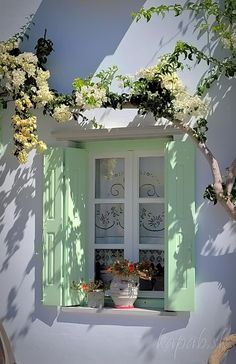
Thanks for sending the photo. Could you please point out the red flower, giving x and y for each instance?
(84, 286)
(131, 267)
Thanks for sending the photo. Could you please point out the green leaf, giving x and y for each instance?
(78, 83)
(210, 194)
(4, 104)
(190, 56)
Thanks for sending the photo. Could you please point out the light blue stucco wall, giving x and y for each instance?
(90, 35)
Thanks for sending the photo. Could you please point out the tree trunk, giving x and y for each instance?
(222, 348)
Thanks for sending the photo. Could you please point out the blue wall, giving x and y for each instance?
(90, 35)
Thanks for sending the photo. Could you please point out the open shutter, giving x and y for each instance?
(53, 226)
(64, 216)
(75, 217)
(180, 231)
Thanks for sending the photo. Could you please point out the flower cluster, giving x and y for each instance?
(86, 287)
(62, 113)
(89, 95)
(146, 270)
(22, 77)
(125, 268)
(184, 104)
(229, 39)
(25, 137)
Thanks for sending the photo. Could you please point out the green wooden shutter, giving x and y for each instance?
(53, 226)
(65, 206)
(180, 231)
(75, 217)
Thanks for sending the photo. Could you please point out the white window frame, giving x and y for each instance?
(131, 201)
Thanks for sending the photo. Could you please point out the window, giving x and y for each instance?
(109, 199)
(127, 213)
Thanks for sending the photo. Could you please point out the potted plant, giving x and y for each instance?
(125, 283)
(93, 290)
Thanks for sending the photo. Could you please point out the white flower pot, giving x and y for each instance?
(124, 291)
(95, 299)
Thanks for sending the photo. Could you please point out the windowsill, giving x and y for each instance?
(116, 311)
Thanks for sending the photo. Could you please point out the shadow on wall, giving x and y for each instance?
(22, 194)
(218, 263)
(83, 35)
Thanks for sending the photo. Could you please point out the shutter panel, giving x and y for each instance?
(75, 216)
(65, 206)
(180, 231)
(53, 226)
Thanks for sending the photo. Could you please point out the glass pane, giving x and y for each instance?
(103, 259)
(151, 177)
(109, 178)
(151, 223)
(109, 223)
(156, 257)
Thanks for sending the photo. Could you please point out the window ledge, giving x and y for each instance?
(78, 134)
(116, 311)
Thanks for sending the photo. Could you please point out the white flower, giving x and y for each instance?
(147, 73)
(43, 95)
(22, 156)
(187, 105)
(27, 57)
(29, 68)
(184, 103)
(18, 78)
(42, 77)
(62, 113)
(8, 46)
(90, 96)
(229, 41)
(41, 146)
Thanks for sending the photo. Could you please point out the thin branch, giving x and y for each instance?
(214, 165)
(215, 169)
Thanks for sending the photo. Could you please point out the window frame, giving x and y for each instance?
(131, 203)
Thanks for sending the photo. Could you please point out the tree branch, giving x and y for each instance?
(222, 348)
(215, 169)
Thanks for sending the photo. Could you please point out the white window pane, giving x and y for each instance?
(151, 177)
(151, 223)
(109, 178)
(109, 223)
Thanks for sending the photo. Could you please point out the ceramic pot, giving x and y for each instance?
(124, 291)
(95, 299)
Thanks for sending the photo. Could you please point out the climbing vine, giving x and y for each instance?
(157, 89)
